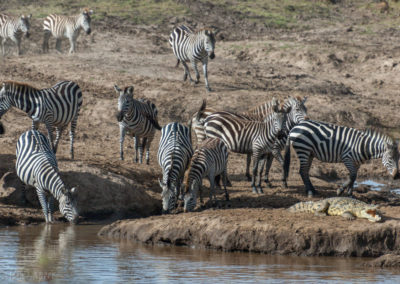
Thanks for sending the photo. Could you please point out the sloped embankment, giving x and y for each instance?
(272, 231)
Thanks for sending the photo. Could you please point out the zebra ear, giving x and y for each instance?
(29, 16)
(117, 89)
(129, 90)
(90, 12)
(304, 100)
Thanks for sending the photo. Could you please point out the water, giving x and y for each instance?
(377, 186)
(74, 254)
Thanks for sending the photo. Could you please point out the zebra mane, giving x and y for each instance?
(378, 134)
(20, 85)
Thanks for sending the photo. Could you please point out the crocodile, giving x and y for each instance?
(346, 207)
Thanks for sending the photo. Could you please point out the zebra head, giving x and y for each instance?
(390, 158)
(24, 24)
(5, 99)
(296, 109)
(85, 20)
(209, 42)
(68, 206)
(125, 101)
(168, 196)
(278, 122)
(190, 196)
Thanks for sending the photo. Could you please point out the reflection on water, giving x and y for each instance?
(74, 254)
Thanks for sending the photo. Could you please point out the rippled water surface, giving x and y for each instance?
(74, 254)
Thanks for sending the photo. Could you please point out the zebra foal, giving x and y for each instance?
(193, 46)
(339, 144)
(209, 160)
(174, 154)
(13, 28)
(137, 117)
(64, 26)
(37, 166)
(56, 106)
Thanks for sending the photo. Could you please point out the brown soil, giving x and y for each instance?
(350, 77)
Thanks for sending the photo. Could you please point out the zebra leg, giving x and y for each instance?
(72, 136)
(50, 207)
(46, 37)
(148, 144)
(72, 45)
(50, 135)
(224, 181)
(268, 163)
(122, 132)
(248, 161)
(305, 164)
(206, 76)
(194, 64)
(256, 160)
(35, 125)
(58, 45)
(42, 199)
(213, 197)
(141, 149)
(187, 73)
(136, 139)
(18, 42)
(23, 194)
(3, 49)
(59, 131)
(276, 153)
(353, 169)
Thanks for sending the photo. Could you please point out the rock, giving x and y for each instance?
(387, 260)
(100, 193)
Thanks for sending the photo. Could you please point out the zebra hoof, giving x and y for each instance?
(209, 89)
(228, 183)
(255, 189)
(121, 158)
(260, 190)
(339, 191)
(248, 177)
(310, 193)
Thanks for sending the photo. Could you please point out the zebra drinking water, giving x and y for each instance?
(244, 136)
(56, 106)
(339, 144)
(138, 117)
(209, 160)
(193, 46)
(174, 154)
(13, 28)
(64, 26)
(37, 166)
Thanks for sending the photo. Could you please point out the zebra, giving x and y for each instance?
(297, 112)
(193, 46)
(56, 106)
(339, 144)
(209, 160)
(174, 154)
(138, 117)
(13, 28)
(245, 136)
(64, 26)
(36, 166)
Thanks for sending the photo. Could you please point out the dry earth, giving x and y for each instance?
(348, 69)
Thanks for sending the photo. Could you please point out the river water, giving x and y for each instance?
(65, 253)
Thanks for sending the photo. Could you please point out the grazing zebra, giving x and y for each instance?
(338, 144)
(174, 154)
(56, 106)
(37, 166)
(138, 117)
(209, 160)
(63, 26)
(193, 46)
(244, 136)
(13, 28)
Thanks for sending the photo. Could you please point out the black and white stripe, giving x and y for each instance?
(209, 160)
(338, 144)
(37, 166)
(174, 154)
(64, 26)
(244, 136)
(13, 28)
(56, 106)
(193, 46)
(136, 117)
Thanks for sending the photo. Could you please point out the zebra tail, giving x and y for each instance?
(177, 63)
(286, 162)
(201, 110)
(190, 130)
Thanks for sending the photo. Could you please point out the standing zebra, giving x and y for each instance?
(193, 46)
(63, 26)
(174, 154)
(209, 160)
(139, 117)
(13, 28)
(244, 136)
(37, 166)
(338, 144)
(56, 106)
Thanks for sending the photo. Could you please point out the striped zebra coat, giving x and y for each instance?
(244, 136)
(193, 46)
(209, 160)
(56, 106)
(138, 118)
(13, 28)
(64, 26)
(37, 166)
(174, 154)
(339, 144)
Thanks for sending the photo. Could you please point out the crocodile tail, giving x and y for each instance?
(306, 206)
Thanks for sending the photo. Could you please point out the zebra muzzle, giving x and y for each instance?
(119, 116)
(89, 31)
(27, 34)
(212, 55)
